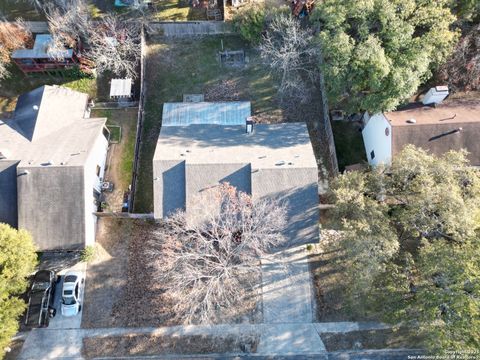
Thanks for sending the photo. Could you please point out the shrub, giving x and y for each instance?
(88, 254)
(250, 23)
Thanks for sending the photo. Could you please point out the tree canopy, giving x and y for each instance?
(208, 258)
(411, 233)
(17, 260)
(377, 52)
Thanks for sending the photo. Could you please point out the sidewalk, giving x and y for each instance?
(287, 293)
(275, 339)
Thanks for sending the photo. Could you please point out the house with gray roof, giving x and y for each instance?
(52, 161)
(274, 160)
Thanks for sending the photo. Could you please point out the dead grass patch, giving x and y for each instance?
(371, 339)
(148, 344)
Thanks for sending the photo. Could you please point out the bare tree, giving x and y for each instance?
(290, 52)
(462, 70)
(68, 22)
(13, 36)
(115, 46)
(207, 264)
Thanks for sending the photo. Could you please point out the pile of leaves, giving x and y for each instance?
(224, 90)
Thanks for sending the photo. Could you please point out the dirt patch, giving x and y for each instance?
(107, 273)
(144, 301)
(119, 162)
(147, 344)
(14, 349)
(327, 264)
(371, 339)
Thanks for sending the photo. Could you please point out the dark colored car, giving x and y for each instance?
(41, 297)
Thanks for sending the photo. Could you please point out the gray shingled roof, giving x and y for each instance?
(276, 160)
(49, 146)
(8, 192)
(270, 146)
(219, 113)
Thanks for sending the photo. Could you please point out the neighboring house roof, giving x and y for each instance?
(42, 50)
(49, 126)
(8, 192)
(220, 113)
(452, 125)
(46, 147)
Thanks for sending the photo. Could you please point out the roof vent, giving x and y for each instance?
(48, 163)
(4, 154)
(249, 125)
(412, 121)
(435, 95)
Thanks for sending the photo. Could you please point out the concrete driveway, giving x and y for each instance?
(60, 321)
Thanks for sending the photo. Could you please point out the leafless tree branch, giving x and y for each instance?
(206, 265)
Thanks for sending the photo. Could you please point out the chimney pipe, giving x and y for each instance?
(249, 125)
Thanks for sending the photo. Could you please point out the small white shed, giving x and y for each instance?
(121, 89)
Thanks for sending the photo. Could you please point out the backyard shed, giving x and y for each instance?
(121, 88)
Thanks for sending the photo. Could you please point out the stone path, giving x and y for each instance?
(287, 293)
(275, 339)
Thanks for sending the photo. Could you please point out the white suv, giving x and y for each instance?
(71, 293)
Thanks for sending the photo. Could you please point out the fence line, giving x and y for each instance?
(332, 153)
(189, 28)
(115, 105)
(140, 118)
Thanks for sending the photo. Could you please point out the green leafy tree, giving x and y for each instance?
(17, 260)
(250, 23)
(411, 233)
(376, 53)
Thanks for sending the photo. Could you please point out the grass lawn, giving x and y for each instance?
(18, 83)
(121, 161)
(349, 143)
(163, 10)
(13, 9)
(190, 66)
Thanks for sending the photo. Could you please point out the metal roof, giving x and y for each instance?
(42, 50)
(121, 88)
(206, 113)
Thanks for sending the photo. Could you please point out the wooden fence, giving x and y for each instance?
(189, 28)
(140, 118)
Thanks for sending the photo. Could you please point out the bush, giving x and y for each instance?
(17, 261)
(89, 253)
(250, 23)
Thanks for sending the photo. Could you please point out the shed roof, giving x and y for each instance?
(121, 88)
(219, 113)
(42, 49)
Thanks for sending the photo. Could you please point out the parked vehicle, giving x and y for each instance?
(71, 293)
(41, 297)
